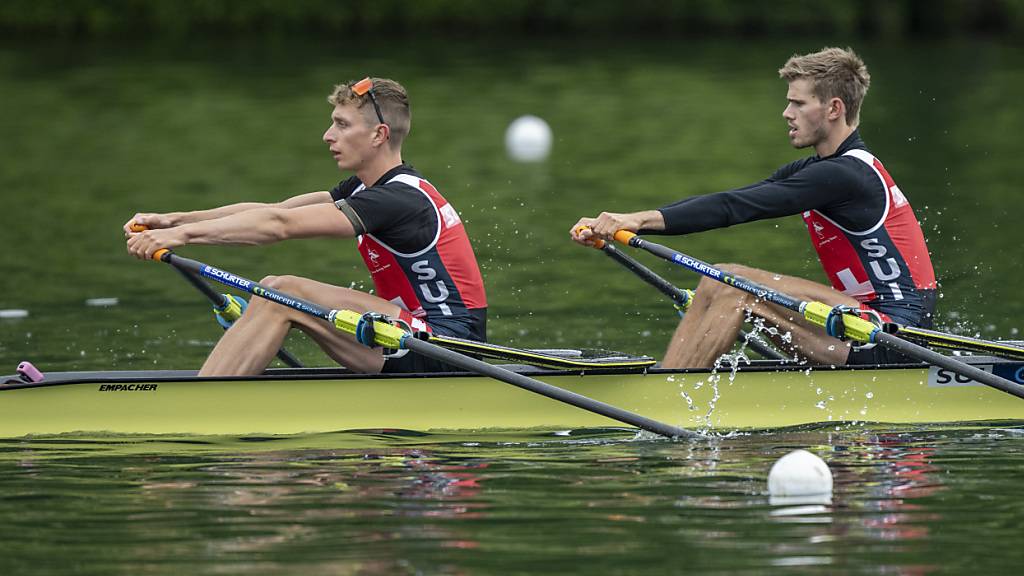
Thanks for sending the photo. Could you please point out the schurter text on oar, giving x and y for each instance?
(697, 265)
(127, 387)
(215, 273)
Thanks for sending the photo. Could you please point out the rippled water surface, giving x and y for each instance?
(915, 501)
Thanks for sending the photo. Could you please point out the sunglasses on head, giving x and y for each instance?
(365, 86)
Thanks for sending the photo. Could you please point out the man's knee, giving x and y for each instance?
(290, 285)
(283, 283)
(735, 269)
(708, 284)
(765, 277)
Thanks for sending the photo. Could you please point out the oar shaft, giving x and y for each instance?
(818, 313)
(343, 318)
(216, 298)
(955, 342)
(710, 271)
(538, 387)
(219, 300)
(245, 285)
(679, 296)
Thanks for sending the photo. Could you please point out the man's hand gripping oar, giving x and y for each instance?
(837, 321)
(681, 298)
(226, 307)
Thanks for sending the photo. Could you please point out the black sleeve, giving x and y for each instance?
(789, 169)
(396, 214)
(793, 189)
(344, 188)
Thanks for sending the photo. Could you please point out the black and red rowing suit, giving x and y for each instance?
(417, 251)
(862, 226)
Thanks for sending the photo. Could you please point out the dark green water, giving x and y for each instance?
(92, 133)
(905, 502)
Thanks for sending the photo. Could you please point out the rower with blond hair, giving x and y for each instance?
(410, 237)
(866, 235)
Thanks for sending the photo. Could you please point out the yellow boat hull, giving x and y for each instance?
(294, 402)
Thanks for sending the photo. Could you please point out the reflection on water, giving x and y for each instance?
(884, 484)
(411, 503)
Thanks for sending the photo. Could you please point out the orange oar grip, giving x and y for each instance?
(159, 254)
(624, 236)
(598, 243)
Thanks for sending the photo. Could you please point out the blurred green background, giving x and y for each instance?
(885, 18)
(110, 108)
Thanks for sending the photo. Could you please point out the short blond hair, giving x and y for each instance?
(392, 99)
(834, 73)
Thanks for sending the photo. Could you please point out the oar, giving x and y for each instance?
(223, 305)
(231, 310)
(836, 320)
(682, 298)
(390, 336)
(937, 339)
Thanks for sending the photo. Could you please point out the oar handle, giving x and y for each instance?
(159, 254)
(598, 243)
(622, 236)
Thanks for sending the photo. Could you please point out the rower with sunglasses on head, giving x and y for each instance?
(867, 238)
(412, 241)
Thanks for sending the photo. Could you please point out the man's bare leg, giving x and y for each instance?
(709, 328)
(718, 311)
(250, 344)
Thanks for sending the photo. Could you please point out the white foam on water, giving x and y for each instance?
(101, 302)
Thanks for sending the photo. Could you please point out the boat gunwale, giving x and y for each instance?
(11, 382)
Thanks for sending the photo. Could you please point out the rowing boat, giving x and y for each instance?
(761, 395)
(596, 390)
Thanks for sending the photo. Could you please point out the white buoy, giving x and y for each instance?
(528, 139)
(13, 313)
(800, 473)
